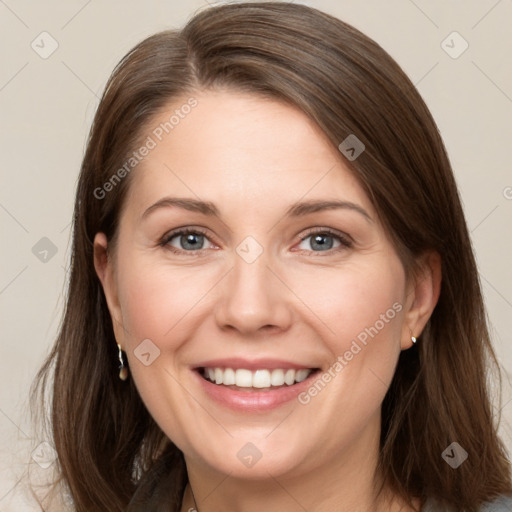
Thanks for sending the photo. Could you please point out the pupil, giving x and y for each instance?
(320, 240)
(191, 241)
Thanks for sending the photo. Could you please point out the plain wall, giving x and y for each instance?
(47, 104)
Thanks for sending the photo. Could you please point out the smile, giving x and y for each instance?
(256, 390)
(258, 379)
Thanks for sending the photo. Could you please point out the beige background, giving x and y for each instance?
(47, 105)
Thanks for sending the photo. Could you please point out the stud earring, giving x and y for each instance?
(123, 370)
(413, 339)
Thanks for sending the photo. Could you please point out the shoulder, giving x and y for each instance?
(502, 503)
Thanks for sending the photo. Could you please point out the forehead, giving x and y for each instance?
(240, 148)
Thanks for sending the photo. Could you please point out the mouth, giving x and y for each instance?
(262, 379)
(253, 385)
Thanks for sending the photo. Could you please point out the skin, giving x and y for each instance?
(253, 158)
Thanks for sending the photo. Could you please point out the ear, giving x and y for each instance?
(105, 271)
(422, 296)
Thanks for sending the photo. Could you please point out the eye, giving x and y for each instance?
(193, 240)
(325, 240)
(185, 240)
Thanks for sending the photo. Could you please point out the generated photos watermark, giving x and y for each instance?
(357, 345)
(151, 142)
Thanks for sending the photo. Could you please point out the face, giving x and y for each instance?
(249, 254)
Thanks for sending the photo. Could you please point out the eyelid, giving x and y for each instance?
(164, 241)
(330, 231)
(346, 240)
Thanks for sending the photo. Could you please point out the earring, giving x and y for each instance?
(413, 339)
(123, 370)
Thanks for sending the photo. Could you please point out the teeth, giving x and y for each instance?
(243, 378)
(289, 377)
(229, 377)
(301, 375)
(261, 379)
(258, 379)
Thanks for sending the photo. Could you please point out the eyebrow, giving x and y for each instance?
(299, 209)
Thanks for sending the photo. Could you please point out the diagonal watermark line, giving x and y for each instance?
(286, 491)
(492, 81)
(126, 332)
(12, 488)
(499, 410)
(2, 2)
(14, 423)
(12, 280)
(75, 15)
(199, 403)
(424, 13)
(176, 176)
(80, 79)
(486, 14)
(14, 218)
(378, 378)
(503, 406)
(65, 227)
(300, 300)
(484, 219)
(305, 194)
(427, 73)
(281, 422)
(495, 289)
(198, 301)
(216, 487)
(14, 76)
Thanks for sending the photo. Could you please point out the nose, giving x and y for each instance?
(254, 298)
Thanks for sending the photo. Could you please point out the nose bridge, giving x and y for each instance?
(252, 296)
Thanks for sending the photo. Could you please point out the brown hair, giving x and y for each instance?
(345, 82)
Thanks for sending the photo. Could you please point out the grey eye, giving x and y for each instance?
(188, 241)
(320, 242)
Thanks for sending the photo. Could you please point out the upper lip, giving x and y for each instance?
(254, 364)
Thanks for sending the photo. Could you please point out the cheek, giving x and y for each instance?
(362, 312)
(361, 302)
(156, 298)
(160, 306)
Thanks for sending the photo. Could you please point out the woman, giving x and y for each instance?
(273, 302)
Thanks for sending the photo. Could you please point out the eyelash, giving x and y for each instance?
(184, 231)
(345, 241)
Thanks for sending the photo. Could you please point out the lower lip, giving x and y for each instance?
(253, 401)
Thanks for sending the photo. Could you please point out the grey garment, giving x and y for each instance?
(500, 504)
